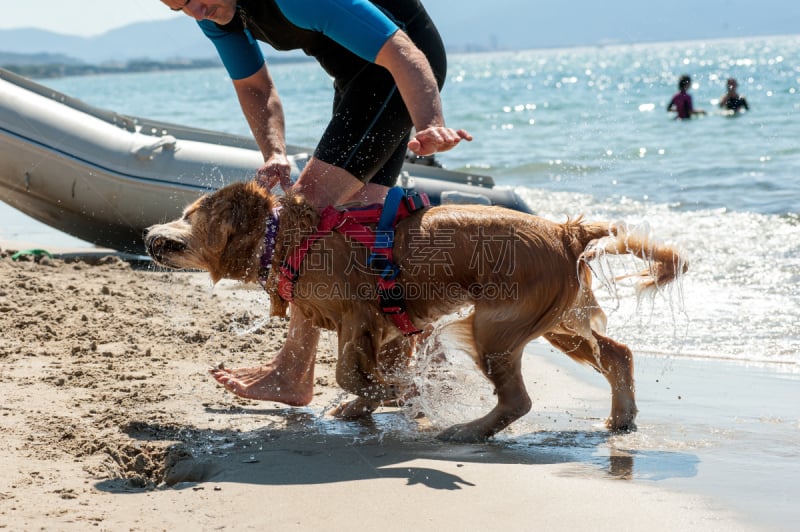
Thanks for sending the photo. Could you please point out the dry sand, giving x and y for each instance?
(108, 421)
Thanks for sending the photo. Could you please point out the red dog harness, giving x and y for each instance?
(397, 206)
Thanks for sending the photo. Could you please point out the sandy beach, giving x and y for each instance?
(109, 421)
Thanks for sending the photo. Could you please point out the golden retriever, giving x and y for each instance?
(523, 277)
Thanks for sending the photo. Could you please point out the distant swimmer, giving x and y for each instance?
(732, 100)
(681, 103)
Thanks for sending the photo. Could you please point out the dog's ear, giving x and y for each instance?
(250, 205)
(220, 224)
(234, 210)
(237, 214)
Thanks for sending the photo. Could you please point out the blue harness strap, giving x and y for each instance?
(380, 258)
(390, 294)
(384, 232)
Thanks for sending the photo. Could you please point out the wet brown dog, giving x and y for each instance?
(523, 276)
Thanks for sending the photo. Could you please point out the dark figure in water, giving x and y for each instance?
(732, 100)
(681, 102)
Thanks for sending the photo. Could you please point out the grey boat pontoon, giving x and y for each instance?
(104, 177)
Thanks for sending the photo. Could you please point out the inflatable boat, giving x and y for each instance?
(104, 177)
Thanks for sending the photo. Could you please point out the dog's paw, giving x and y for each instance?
(620, 426)
(355, 409)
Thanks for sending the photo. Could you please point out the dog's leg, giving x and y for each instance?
(353, 375)
(363, 373)
(513, 401)
(620, 377)
(615, 362)
(503, 368)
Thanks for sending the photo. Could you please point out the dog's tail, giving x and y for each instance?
(665, 263)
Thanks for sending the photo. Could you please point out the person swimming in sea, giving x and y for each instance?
(732, 100)
(681, 102)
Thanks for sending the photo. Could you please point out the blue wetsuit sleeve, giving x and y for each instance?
(358, 25)
(240, 55)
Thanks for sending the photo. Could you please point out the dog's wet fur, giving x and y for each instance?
(524, 277)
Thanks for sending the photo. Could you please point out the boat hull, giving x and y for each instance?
(104, 177)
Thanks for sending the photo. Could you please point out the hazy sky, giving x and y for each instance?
(94, 17)
(512, 22)
(80, 17)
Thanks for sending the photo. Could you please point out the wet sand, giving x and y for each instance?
(108, 420)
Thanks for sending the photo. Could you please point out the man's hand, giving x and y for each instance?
(276, 170)
(437, 139)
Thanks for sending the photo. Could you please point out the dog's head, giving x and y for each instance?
(221, 233)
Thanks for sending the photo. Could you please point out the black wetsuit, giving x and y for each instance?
(369, 130)
(734, 103)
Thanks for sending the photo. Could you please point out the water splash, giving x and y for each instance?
(449, 386)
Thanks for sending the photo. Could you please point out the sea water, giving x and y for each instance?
(585, 131)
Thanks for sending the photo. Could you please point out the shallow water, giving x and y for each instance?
(585, 131)
(717, 428)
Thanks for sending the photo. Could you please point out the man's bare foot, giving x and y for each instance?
(267, 383)
(288, 378)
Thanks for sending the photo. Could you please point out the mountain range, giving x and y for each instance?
(473, 26)
(158, 40)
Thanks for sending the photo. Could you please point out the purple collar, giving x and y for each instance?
(270, 237)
